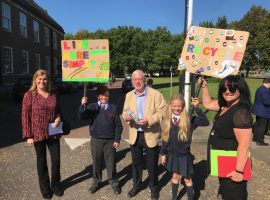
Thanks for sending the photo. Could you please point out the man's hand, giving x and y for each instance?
(143, 122)
(116, 145)
(126, 117)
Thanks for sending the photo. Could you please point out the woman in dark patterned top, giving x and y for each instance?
(232, 130)
(176, 141)
(39, 109)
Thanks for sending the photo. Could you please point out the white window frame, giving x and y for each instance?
(37, 61)
(26, 63)
(23, 25)
(10, 60)
(46, 37)
(48, 64)
(6, 15)
(36, 31)
(54, 40)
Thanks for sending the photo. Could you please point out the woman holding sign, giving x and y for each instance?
(232, 131)
(40, 109)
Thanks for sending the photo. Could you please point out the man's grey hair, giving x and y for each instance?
(138, 71)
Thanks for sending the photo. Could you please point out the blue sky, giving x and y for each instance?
(146, 14)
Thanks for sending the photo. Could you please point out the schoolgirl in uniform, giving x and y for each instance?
(176, 140)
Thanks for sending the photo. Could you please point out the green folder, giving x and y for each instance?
(214, 159)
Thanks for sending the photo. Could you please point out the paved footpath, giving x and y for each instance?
(19, 178)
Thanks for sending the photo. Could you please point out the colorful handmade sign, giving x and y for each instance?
(213, 52)
(223, 162)
(85, 60)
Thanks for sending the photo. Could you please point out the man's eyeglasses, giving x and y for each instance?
(231, 89)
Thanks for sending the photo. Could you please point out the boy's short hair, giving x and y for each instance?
(266, 80)
(101, 89)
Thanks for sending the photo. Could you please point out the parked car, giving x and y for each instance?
(127, 84)
(20, 87)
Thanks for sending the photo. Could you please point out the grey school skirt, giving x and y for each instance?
(182, 165)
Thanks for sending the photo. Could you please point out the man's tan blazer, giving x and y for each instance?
(154, 107)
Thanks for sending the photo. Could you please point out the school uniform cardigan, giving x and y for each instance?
(178, 147)
(105, 124)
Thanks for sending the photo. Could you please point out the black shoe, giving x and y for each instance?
(262, 144)
(94, 188)
(254, 139)
(116, 190)
(47, 195)
(133, 192)
(57, 191)
(154, 195)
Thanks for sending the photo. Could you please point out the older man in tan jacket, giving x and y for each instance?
(143, 111)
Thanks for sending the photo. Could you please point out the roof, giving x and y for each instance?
(33, 7)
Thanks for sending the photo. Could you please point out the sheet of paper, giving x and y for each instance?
(55, 130)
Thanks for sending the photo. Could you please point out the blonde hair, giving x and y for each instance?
(40, 72)
(184, 122)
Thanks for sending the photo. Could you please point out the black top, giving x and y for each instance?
(222, 135)
(105, 124)
(177, 147)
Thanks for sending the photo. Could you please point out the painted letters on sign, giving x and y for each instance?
(85, 60)
(213, 52)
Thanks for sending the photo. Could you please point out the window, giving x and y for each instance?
(7, 60)
(54, 40)
(46, 37)
(55, 69)
(24, 62)
(36, 31)
(6, 19)
(37, 61)
(47, 64)
(23, 25)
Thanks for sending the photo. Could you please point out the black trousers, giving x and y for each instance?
(102, 150)
(230, 190)
(42, 167)
(137, 162)
(260, 128)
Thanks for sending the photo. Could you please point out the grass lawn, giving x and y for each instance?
(163, 85)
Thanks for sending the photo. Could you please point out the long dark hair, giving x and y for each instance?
(236, 82)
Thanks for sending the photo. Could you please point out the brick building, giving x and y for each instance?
(29, 40)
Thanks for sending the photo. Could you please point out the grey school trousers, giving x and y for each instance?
(102, 150)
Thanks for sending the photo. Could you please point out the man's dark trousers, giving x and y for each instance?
(151, 163)
(260, 128)
(102, 150)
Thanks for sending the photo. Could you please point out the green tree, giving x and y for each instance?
(68, 36)
(222, 23)
(82, 35)
(257, 22)
(207, 24)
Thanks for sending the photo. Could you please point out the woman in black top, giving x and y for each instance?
(232, 130)
(176, 140)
